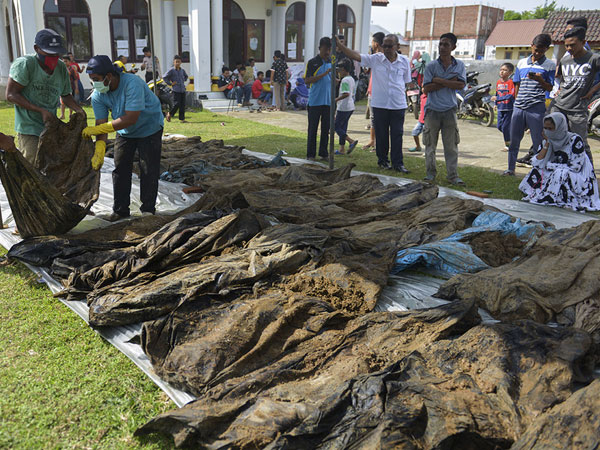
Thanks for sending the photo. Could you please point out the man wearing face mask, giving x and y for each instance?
(138, 121)
(35, 84)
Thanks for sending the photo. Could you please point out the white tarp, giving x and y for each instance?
(409, 290)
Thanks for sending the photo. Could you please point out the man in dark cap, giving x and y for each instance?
(35, 84)
(138, 121)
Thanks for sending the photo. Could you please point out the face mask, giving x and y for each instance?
(551, 134)
(100, 87)
(50, 61)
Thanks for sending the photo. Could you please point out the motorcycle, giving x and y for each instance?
(594, 117)
(362, 85)
(472, 78)
(413, 97)
(476, 102)
(164, 94)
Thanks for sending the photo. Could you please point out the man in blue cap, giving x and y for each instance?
(138, 121)
(35, 84)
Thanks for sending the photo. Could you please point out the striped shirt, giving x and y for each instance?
(530, 91)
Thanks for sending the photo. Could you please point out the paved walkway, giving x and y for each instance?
(480, 146)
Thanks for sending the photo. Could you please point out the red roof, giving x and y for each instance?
(557, 23)
(515, 33)
(379, 2)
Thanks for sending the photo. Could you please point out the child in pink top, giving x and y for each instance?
(418, 129)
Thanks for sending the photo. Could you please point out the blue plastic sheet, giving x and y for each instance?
(449, 257)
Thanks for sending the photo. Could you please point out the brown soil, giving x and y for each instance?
(496, 249)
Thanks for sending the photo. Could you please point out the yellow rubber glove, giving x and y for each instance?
(98, 158)
(104, 128)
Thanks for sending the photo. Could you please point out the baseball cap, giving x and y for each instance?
(50, 42)
(101, 65)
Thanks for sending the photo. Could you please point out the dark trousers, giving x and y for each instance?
(389, 123)
(341, 124)
(149, 149)
(179, 104)
(149, 76)
(504, 119)
(532, 118)
(316, 114)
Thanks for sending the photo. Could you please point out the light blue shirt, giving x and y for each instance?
(319, 93)
(132, 94)
(443, 99)
(530, 91)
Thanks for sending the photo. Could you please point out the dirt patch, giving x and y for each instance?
(495, 248)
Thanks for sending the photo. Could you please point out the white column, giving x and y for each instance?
(28, 26)
(324, 11)
(199, 20)
(169, 33)
(216, 29)
(278, 26)
(310, 47)
(365, 27)
(452, 19)
(4, 52)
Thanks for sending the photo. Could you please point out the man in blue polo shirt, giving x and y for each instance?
(138, 121)
(443, 77)
(534, 76)
(317, 77)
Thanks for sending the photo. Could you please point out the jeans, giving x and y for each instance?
(316, 113)
(149, 149)
(179, 104)
(446, 122)
(341, 124)
(532, 118)
(504, 119)
(81, 91)
(389, 123)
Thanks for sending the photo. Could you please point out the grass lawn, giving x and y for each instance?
(61, 384)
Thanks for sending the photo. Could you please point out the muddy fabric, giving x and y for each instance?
(188, 159)
(64, 157)
(297, 373)
(495, 248)
(57, 197)
(37, 206)
(573, 424)
(559, 270)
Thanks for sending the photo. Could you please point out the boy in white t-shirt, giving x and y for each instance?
(345, 106)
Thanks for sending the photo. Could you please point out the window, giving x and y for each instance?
(294, 31)
(71, 19)
(129, 29)
(523, 55)
(346, 24)
(255, 40)
(183, 31)
(507, 55)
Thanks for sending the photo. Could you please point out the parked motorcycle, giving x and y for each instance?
(362, 85)
(472, 79)
(594, 117)
(476, 102)
(164, 94)
(413, 99)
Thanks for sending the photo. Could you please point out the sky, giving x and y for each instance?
(392, 17)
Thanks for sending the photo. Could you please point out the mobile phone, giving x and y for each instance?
(531, 74)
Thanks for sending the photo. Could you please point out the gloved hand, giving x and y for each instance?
(98, 158)
(104, 128)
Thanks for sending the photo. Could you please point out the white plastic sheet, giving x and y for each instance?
(410, 290)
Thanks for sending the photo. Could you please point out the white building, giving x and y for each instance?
(206, 33)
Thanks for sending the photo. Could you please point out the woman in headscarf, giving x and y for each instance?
(562, 173)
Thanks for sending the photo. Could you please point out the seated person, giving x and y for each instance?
(246, 84)
(562, 173)
(230, 86)
(258, 92)
(121, 61)
(299, 95)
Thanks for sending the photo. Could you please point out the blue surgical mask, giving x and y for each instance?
(100, 87)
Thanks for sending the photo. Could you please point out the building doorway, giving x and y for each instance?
(233, 34)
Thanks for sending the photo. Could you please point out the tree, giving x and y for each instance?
(540, 12)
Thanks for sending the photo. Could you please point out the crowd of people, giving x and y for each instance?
(538, 96)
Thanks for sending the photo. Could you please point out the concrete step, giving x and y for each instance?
(223, 104)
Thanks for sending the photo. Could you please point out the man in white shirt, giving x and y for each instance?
(391, 73)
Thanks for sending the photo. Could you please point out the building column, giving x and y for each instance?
(278, 26)
(310, 30)
(324, 15)
(169, 29)
(28, 27)
(365, 28)
(199, 20)
(216, 29)
(4, 52)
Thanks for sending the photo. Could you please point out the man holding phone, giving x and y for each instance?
(534, 76)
